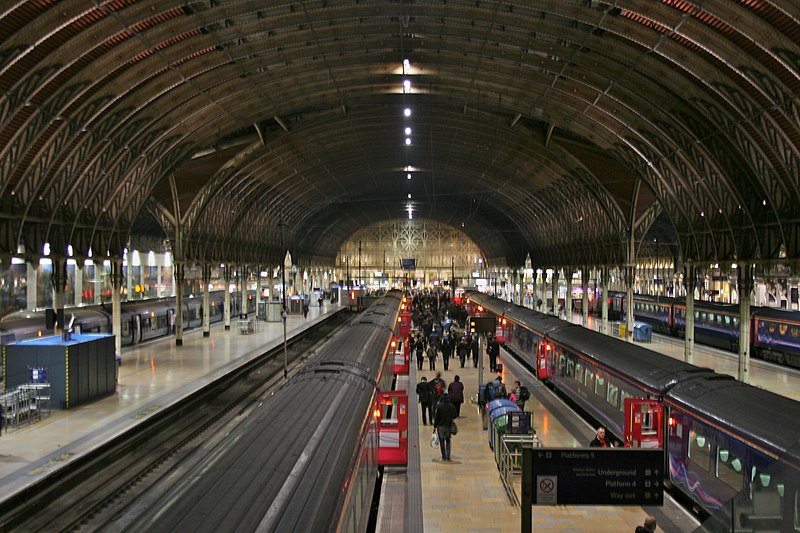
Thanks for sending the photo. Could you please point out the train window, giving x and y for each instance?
(146, 323)
(588, 379)
(729, 469)
(570, 368)
(699, 450)
(612, 396)
(622, 396)
(599, 386)
(562, 361)
(126, 329)
(735, 321)
(579, 373)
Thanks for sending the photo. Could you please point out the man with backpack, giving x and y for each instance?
(437, 386)
(499, 388)
(493, 350)
(521, 395)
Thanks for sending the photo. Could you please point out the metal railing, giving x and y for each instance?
(510, 460)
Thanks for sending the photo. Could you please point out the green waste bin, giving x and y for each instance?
(500, 429)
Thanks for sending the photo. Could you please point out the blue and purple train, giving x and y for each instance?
(140, 320)
(731, 448)
(774, 333)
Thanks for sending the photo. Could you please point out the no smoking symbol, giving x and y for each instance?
(546, 485)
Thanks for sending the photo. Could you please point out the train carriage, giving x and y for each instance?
(598, 372)
(140, 320)
(735, 450)
(656, 311)
(776, 336)
(774, 333)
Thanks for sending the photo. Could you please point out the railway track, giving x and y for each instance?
(103, 490)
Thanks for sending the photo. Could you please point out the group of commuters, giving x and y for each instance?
(441, 406)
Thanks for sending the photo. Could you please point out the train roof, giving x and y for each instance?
(762, 417)
(773, 313)
(650, 369)
(535, 321)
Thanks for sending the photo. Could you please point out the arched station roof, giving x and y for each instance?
(557, 128)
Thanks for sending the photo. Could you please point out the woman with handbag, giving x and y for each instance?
(443, 424)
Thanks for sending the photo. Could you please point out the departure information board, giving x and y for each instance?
(591, 476)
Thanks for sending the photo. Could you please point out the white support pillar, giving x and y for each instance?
(243, 277)
(32, 285)
(78, 284)
(258, 289)
(554, 292)
(97, 282)
(630, 276)
(689, 281)
(568, 297)
(206, 300)
(159, 285)
(745, 279)
(585, 296)
(128, 271)
(227, 277)
(604, 299)
(179, 277)
(116, 306)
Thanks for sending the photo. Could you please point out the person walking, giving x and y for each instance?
(463, 351)
(419, 349)
(424, 396)
(437, 387)
(443, 421)
(432, 356)
(447, 351)
(456, 393)
(473, 345)
(493, 350)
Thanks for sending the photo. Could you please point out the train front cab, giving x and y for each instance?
(391, 412)
(502, 329)
(404, 319)
(401, 355)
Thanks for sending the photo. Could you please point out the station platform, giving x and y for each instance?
(466, 494)
(779, 379)
(463, 495)
(153, 376)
